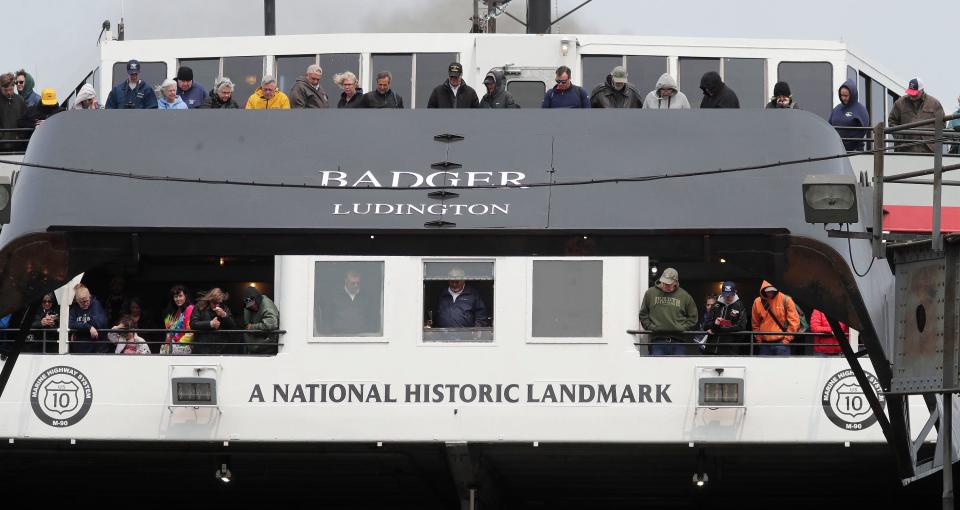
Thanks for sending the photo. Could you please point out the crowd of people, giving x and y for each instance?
(25, 108)
(670, 316)
(121, 324)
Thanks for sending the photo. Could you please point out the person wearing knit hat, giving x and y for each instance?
(191, 93)
(782, 98)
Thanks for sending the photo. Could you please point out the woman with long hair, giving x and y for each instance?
(210, 315)
(177, 316)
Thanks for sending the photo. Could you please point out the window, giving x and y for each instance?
(595, 69)
(811, 84)
(863, 87)
(246, 73)
(645, 71)
(348, 299)
(567, 298)
(151, 72)
(291, 67)
(458, 301)
(851, 74)
(747, 77)
(205, 70)
(878, 103)
(401, 67)
(431, 71)
(333, 64)
(529, 94)
(690, 71)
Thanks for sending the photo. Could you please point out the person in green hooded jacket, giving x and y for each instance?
(25, 87)
(259, 314)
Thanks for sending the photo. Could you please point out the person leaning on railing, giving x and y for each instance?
(45, 325)
(665, 311)
(127, 342)
(210, 315)
(259, 314)
(87, 319)
(774, 311)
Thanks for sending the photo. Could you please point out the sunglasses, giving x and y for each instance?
(561, 82)
(21, 82)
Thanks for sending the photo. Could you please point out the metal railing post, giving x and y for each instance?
(878, 146)
(937, 241)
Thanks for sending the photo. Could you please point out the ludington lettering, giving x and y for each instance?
(552, 393)
(413, 180)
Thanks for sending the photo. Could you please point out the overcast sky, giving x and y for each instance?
(60, 49)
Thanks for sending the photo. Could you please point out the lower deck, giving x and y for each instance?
(433, 475)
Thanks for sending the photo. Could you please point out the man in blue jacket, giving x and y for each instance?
(192, 93)
(133, 93)
(460, 306)
(565, 94)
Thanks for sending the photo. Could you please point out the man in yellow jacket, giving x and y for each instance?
(267, 97)
(774, 311)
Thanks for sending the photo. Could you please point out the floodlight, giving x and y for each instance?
(830, 199)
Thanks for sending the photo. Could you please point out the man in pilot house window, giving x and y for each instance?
(459, 305)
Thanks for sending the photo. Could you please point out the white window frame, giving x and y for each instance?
(387, 320)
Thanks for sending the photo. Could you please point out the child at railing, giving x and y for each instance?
(128, 342)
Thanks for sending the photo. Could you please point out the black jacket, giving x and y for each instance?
(343, 103)
(499, 98)
(442, 97)
(606, 95)
(213, 101)
(375, 99)
(720, 95)
(205, 335)
(12, 110)
(739, 321)
(37, 113)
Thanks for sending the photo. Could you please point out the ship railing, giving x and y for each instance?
(13, 141)
(802, 341)
(905, 136)
(48, 339)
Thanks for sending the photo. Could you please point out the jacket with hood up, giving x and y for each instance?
(606, 95)
(256, 101)
(720, 95)
(499, 98)
(303, 95)
(443, 96)
(774, 105)
(852, 114)
(733, 318)
(29, 95)
(783, 308)
(678, 101)
(825, 344)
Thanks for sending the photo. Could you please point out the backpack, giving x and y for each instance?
(804, 323)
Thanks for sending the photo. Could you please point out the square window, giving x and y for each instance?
(458, 301)
(567, 299)
(348, 299)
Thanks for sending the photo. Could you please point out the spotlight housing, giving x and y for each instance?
(223, 473)
(700, 479)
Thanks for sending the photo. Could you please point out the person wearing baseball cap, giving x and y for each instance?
(46, 108)
(915, 105)
(453, 92)
(616, 92)
(726, 316)
(132, 93)
(666, 311)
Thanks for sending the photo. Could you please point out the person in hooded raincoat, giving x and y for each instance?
(667, 95)
(717, 94)
(850, 113)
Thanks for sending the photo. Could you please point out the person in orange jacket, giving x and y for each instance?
(774, 311)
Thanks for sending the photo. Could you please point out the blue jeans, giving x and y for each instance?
(773, 349)
(662, 346)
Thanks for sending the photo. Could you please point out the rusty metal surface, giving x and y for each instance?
(918, 361)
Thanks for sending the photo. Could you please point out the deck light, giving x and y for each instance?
(223, 473)
(830, 199)
(700, 479)
(564, 47)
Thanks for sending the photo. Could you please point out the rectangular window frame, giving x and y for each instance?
(494, 307)
(386, 324)
(606, 284)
